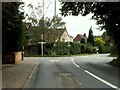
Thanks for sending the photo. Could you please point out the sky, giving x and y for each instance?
(74, 24)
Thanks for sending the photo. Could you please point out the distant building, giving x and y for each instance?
(80, 38)
(65, 37)
(51, 36)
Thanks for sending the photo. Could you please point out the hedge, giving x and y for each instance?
(65, 48)
(104, 49)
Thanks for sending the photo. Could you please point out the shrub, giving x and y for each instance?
(86, 48)
(74, 48)
(104, 49)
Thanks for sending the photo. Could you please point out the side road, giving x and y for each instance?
(16, 75)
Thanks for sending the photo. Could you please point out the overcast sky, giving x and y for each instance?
(74, 24)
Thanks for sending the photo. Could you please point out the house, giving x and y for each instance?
(65, 37)
(50, 36)
(60, 35)
(80, 38)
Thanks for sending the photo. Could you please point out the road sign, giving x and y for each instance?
(27, 25)
(41, 46)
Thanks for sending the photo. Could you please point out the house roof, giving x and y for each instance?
(55, 34)
(49, 35)
(79, 37)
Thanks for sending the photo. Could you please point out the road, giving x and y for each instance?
(91, 71)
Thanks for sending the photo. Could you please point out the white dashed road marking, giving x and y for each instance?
(54, 60)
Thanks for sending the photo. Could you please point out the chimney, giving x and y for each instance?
(85, 34)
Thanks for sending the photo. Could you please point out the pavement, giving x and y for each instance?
(16, 75)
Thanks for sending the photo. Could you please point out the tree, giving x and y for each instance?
(107, 16)
(13, 30)
(57, 23)
(99, 42)
(108, 40)
(45, 27)
(90, 37)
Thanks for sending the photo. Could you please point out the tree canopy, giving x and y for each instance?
(13, 31)
(90, 37)
(99, 42)
(106, 14)
(46, 27)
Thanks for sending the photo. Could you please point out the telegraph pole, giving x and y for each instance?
(55, 9)
(42, 36)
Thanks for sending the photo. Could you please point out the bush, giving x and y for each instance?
(85, 48)
(62, 48)
(75, 48)
(104, 49)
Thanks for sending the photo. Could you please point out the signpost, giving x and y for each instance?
(42, 46)
(27, 26)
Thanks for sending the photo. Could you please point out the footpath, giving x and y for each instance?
(16, 75)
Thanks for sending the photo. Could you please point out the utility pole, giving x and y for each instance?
(55, 9)
(42, 36)
(55, 14)
(43, 20)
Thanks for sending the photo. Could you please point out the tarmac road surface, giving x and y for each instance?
(91, 71)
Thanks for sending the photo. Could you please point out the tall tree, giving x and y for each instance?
(107, 15)
(45, 27)
(90, 37)
(13, 31)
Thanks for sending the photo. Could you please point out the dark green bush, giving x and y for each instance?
(104, 49)
(86, 48)
(64, 48)
(75, 48)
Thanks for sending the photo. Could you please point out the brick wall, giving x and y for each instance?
(11, 58)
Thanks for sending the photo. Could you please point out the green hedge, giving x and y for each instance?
(86, 48)
(104, 49)
(64, 48)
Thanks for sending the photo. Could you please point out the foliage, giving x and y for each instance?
(86, 48)
(108, 40)
(99, 42)
(61, 48)
(45, 27)
(107, 16)
(113, 50)
(75, 48)
(13, 34)
(90, 37)
(104, 49)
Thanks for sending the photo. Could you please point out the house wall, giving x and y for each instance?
(65, 37)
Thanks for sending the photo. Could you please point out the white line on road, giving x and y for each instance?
(74, 63)
(102, 80)
(54, 60)
(30, 76)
